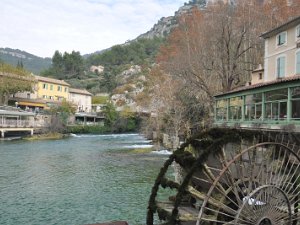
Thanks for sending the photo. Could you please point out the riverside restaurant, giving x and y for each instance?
(273, 105)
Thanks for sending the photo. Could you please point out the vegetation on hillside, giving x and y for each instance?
(137, 52)
(66, 66)
(72, 67)
(99, 99)
(30, 62)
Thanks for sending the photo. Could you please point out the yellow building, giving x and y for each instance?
(52, 89)
(47, 92)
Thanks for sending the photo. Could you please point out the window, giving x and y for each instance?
(298, 31)
(51, 97)
(276, 104)
(45, 96)
(253, 107)
(295, 103)
(281, 38)
(298, 62)
(51, 87)
(235, 108)
(260, 76)
(28, 95)
(59, 98)
(66, 89)
(221, 109)
(280, 94)
(280, 66)
(45, 86)
(59, 88)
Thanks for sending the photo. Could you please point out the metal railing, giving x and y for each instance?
(10, 108)
(17, 123)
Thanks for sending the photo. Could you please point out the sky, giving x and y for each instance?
(42, 26)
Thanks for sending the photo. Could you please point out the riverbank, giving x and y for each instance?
(47, 136)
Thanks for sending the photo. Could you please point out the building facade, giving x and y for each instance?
(52, 89)
(282, 51)
(272, 101)
(47, 92)
(82, 99)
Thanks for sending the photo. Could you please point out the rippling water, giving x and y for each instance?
(79, 180)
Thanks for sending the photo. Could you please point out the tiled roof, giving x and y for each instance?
(79, 91)
(51, 80)
(29, 100)
(263, 84)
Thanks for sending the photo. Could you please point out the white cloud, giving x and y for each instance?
(41, 27)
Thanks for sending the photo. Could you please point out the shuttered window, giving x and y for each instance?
(298, 63)
(281, 38)
(280, 67)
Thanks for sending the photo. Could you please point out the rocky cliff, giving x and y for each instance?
(165, 25)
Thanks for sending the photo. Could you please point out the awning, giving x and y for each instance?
(32, 104)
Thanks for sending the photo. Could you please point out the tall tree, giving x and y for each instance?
(216, 49)
(58, 63)
(213, 51)
(66, 66)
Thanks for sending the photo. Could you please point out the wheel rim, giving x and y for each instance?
(259, 185)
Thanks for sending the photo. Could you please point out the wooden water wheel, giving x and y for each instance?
(232, 177)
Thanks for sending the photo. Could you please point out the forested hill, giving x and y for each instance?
(103, 70)
(30, 62)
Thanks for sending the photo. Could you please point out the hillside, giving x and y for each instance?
(165, 25)
(122, 69)
(119, 62)
(30, 62)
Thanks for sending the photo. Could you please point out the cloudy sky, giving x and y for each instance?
(42, 26)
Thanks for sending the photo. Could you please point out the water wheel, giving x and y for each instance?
(232, 177)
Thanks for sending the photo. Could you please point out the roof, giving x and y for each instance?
(15, 113)
(51, 80)
(292, 23)
(264, 84)
(79, 91)
(27, 100)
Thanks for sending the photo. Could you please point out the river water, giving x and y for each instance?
(79, 180)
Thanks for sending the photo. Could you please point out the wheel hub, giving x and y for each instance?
(265, 221)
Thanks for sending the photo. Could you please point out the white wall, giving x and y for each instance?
(83, 102)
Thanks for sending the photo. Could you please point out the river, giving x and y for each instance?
(78, 180)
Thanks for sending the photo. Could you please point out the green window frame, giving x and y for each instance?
(298, 31)
(298, 62)
(235, 108)
(295, 103)
(280, 66)
(253, 107)
(221, 110)
(281, 38)
(276, 104)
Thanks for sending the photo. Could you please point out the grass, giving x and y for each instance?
(141, 150)
(48, 136)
